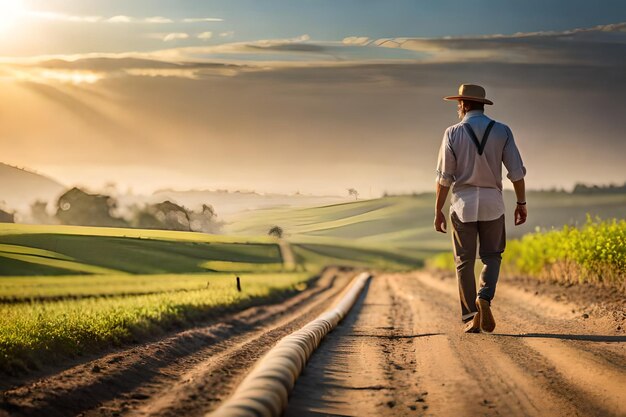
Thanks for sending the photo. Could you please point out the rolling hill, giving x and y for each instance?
(404, 223)
(19, 187)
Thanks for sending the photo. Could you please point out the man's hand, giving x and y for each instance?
(520, 214)
(520, 210)
(440, 222)
(440, 219)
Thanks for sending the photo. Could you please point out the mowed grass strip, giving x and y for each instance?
(44, 332)
(42, 259)
(23, 250)
(24, 229)
(68, 287)
(59, 264)
(310, 254)
(67, 253)
(228, 266)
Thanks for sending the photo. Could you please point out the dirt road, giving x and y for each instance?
(399, 352)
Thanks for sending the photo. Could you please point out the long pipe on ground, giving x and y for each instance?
(265, 391)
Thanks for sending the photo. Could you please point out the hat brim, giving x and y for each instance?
(469, 98)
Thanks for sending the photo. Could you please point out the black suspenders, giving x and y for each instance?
(479, 145)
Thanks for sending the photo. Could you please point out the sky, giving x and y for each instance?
(313, 96)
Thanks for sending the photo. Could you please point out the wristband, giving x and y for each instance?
(521, 204)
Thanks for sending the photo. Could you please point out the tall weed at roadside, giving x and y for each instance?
(593, 253)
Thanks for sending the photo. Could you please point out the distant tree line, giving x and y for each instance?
(6, 217)
(579, 188)
(599, 189)
(80, 208)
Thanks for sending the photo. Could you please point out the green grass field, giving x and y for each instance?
(72, 287)
(315, 254)
(403, 224)
(54, 250)
(71, 290)
(68, 290)
(27, 250)
(32, 333)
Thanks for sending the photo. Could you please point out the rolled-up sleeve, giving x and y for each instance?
(446, 162)
(512, 159)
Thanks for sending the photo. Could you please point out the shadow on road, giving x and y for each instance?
(583, 337)
(397, 336)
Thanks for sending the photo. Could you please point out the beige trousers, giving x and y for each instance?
(491, 236)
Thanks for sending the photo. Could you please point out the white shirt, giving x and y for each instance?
(476, 179)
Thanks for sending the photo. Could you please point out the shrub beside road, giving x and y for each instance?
(593, 253)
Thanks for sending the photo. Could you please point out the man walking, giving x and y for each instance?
(470, 161)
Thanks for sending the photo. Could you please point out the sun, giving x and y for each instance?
(10, 10)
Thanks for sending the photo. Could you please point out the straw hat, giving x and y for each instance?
(471, 92)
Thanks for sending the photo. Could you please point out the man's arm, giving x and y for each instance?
(520, 209)
(446, 165)
(440, 219)
(513, 162)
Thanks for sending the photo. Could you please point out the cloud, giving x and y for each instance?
(47, 15)
(283, 47)
(63, 17)
(121, 19)
(270, 42)
(356, 40)
(297, 44)
(190, 73)
(202, 19)
(175, 36)
(68, 77)
(112, 63)
(158, 19)
(130, 19)
(227, 34)
(598, 45)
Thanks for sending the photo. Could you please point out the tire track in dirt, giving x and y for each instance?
(367, 365)
(536, 317)
(466, 374)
